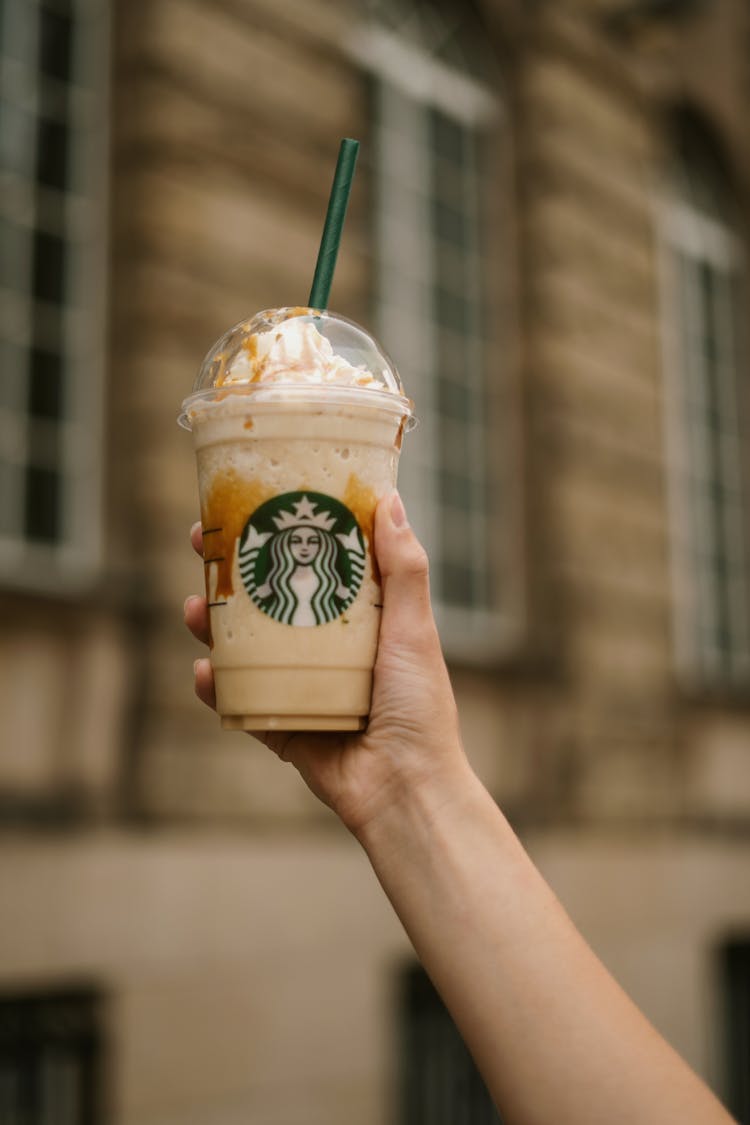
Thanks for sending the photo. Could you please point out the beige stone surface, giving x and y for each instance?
(718, 767)
(64, 694)
(33, 673)
(236, 968)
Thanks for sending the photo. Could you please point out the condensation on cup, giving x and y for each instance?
(297, 418)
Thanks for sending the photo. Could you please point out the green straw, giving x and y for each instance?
(334, 224)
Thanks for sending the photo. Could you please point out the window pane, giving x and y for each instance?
(11, 488)
(60, 1088)
(55, 44)
(11, 1110)
(14, 254)
(17, 129)
(714, 555)
(43, 495)
(458, 584)
(462, 565)
(453, 401)
(52, 153)
(46, 384)
(49, 267)
(440, 1085)
(449, 139)
(46, 115)
(735, 964)
(50, 1046)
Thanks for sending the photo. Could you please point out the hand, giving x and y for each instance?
(412, 739)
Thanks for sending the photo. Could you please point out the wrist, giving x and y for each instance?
(412, 806)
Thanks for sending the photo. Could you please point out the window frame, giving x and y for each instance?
(70, 563)
(485, 633)
(686, 232)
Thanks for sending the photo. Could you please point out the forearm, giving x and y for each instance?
(554, 1036)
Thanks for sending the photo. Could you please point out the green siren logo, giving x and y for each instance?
(302, 558)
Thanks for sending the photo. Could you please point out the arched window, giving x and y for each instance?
(706, 354)
(438, 142)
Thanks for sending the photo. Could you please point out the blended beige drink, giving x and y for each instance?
(297, 419)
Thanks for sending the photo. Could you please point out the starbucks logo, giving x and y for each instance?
(302, 558)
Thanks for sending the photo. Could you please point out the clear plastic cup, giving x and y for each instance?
(297, 432)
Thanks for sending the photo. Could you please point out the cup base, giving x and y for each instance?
(293, 722)
(297, 698)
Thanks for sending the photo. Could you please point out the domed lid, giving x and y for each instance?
(298, 353)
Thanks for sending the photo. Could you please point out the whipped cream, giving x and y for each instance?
(295, 352)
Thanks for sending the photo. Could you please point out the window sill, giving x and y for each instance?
(22, 599)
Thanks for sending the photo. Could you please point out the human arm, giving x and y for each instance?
(555, 1037)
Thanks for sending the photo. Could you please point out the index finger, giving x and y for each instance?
(196, 538)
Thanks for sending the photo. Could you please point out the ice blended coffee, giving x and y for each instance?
(297, 419)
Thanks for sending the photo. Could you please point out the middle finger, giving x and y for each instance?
(196, 617)
(196, 537)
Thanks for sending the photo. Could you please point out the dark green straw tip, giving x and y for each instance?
(334, 223)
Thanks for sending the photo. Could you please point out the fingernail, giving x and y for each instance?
(194, 528)
(398, 512)
(195, 666)
(187, 602)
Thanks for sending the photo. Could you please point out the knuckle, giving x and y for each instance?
(416, 561)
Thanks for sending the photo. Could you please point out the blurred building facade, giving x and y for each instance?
(549, 232)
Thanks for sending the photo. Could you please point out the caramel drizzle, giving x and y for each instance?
(361, 501)
(227, 506)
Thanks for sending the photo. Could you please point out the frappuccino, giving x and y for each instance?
(297, 419)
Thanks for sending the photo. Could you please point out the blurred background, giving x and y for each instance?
(548, 231)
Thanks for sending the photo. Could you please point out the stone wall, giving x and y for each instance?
(594, 141)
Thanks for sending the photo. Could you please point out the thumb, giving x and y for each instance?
(407, 613)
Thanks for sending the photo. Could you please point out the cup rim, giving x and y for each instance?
(273, 394)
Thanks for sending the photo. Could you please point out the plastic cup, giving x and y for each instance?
(290, 471)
